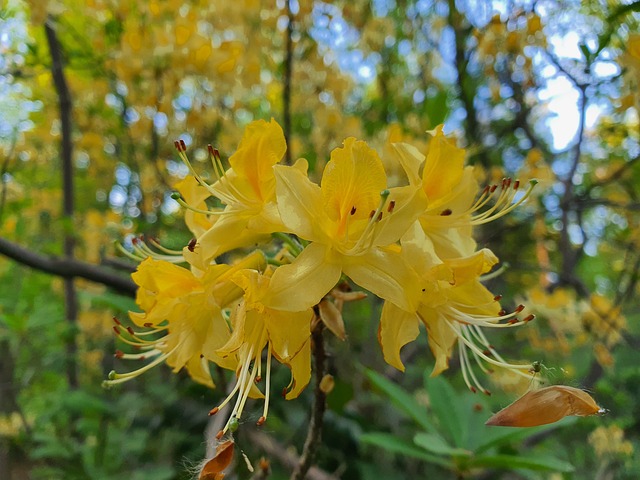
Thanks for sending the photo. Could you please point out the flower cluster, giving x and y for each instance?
(411, 245)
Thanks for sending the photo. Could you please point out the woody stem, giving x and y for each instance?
(314, 434)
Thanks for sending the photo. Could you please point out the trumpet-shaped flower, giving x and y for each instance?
(353, 223)
(455, 202)
(454, 308)
(256, 326)
(246, 189)
(183, 315)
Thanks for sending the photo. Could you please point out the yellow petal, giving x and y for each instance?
(300, 203)
(397, 328)
(195, 195)
(300, 367)
(288, 332)
(230, 232)
(441, 338)
(443, 166)
(386, 274)
(262, 146)
(466, 269)
(352, 182)
(303, 283)
(410, 159)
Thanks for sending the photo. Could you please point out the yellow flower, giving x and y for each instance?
(451, 190)
(454, 308)
(187, 311)
(257, 325)
(353, 224)
(247, 190)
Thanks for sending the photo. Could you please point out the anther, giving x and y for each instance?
(191, 246)
(201, 355)
(116, 321)
(516, 184)
(258, 379)
(353, 210)
(213, 411)
(473, 389)
(392, 205)
(446, 212)
(177, 145)
(371, 214)
(513, 321)
(219, 435)
(519, 308)
(284, 392)
(486, 392)
(147, 325)
(493, 188)
(502, 312)
(116, 329)
(130, 330)
(183, 145)
(261, 421)
(211, 150)
(118, 354)
(528, 318)
(497, 298)
(379, 217)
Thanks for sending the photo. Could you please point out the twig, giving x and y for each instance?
(286, 457)
(314, 434)
(67, 267)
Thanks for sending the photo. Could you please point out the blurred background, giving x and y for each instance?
(93, 95)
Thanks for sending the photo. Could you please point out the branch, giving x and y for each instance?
(67, 267)
(314, 434)
(285, 456)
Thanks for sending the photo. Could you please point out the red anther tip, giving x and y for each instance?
(142, 357)
(117, 321)
(353, 210)
(183, 145)
(486, 189)
(497, 298)
(446, 212)
(473, 389)
(379, 217)
(493, 188)
(519, 308)
(392, 205)
(528, 318)
(261, 421)
(176, 144)
(116, 329)
(513, 321)
(508, 182)
(201, 355)
(135, 240)
(502, 312)
(210, 148)
(219, 435)
(130, 330)
(516, 184)
(191, 246)
(486, 392)
(118, 354)
(258, 379)
(487, 352)
(147, 325)
(284, 392)
(372, 213)
(213, 411)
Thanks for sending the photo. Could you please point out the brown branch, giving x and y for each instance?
(286, 457)
(314, 434)
(67, 267)
(66, 157)
(286, 90)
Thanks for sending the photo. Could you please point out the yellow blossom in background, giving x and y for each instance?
(609, 443)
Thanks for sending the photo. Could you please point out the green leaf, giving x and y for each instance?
(531, 462)
(447, 407)
(393, 444)
(438, 445)
(402, 400)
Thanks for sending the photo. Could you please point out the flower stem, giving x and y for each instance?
(314, 434)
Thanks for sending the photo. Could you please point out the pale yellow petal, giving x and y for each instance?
(386, 274)
(397, 328)
(443, 166)
(300, 367)
(303, 283)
